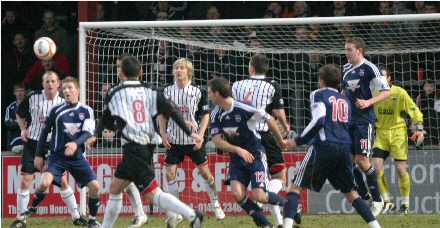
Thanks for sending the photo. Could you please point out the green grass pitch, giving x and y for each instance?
(241, 221)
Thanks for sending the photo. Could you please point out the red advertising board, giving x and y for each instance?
(191, 184)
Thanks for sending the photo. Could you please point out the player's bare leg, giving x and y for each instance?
(211, 189)
(140, 218)
(276, 183)
(173, 219)
(364, 163)
(404, 185)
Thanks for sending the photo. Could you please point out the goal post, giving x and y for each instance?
(409, 45)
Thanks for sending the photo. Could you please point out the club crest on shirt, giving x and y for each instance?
(82, 116)
(361, 72)
(353, 84)
(237, 118)
(72, 128)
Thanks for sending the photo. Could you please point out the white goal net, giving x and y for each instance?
(408, 45)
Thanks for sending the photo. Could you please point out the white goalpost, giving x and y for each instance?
(409, 45)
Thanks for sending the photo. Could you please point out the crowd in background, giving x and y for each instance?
(24, 22)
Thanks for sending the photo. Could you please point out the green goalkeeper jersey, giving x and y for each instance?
(388, 112)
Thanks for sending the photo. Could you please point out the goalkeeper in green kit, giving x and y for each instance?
(392, 139)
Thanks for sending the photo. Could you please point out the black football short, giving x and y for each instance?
(177, 153)
(137, 166)
(28, 156)
(275, 160)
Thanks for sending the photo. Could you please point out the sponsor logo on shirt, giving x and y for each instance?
(72, 128)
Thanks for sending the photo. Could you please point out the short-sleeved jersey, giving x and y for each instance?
(388, 111)
(67, 123)
(10, 120)
(360, 82)
(259, 92)
(135, 104)
(191, 102)
(238, 126)
(35, 108)
(331, 118)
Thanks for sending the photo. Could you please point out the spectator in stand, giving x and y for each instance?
(99, 104)
(431, 7)
(17, 61)
(429, 102)
(57, 33)
(276, 9)
(301, 9)
(13, 130)
(213, 13)
(222, 63)
(162, 16)
(400, 8)
(34, 76)
(384, 31)
(100, 12)
(302, 35)
(339, 9)
(419, 7)
(174, 12)
(10, 26)
(109, 139)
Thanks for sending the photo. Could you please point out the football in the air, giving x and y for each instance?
(44, 48)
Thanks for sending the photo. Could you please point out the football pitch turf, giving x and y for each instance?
(241, 221)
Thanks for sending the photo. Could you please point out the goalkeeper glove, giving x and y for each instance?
(418, 136)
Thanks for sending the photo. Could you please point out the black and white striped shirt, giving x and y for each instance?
(259, 92)
(134, 105)
(191, 102)
(34, 109)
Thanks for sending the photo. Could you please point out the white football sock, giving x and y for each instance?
(22, 201)
(374, 224)
(114, 206)
(210, 188)
(168, 202)
(275, 185)
(135, 199)
(288, 223)
(173, 188)
(69, 199)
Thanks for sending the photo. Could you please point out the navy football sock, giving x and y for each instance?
(363, 210)
(38, 197)
(253, 210)
(373, 185)
(292, 205)
(360, 184)
(93, 205)
(275, 199)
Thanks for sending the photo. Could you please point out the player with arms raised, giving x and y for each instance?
(360, 79)
(329, 154)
